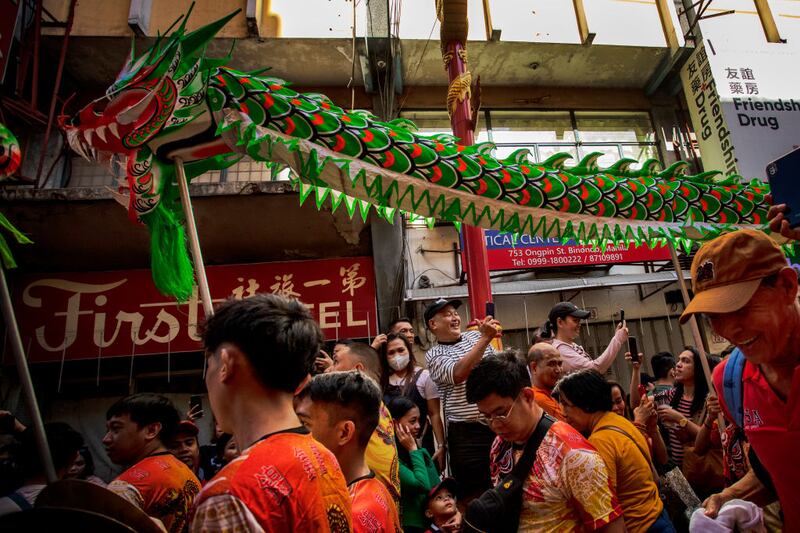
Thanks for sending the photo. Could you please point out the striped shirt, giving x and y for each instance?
(441, 360)
(675, 443)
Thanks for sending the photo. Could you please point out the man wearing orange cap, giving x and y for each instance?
(743, 283)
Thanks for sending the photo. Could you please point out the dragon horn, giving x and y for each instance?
(202, 36)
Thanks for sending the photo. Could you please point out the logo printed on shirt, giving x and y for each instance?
(306, 462)
(752, 419)
(370, 521)
(270, 478)
(323, 468)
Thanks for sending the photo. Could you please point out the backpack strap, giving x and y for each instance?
(732, 388)
(20, 500)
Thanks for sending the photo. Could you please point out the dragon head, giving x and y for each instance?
(152, 99)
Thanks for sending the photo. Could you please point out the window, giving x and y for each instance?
(616, 135)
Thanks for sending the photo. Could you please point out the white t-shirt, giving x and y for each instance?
(425, 385)
(29, 492)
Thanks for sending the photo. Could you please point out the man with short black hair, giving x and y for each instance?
(139, 427)
(568, 486)
(185, 447)
(663, 364)
(64, 443)
(544, 362)
(381, 453)
(343, 417)
(450, 362)
(258, 351)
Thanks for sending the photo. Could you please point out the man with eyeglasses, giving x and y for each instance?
(450, 362)
(568, 487)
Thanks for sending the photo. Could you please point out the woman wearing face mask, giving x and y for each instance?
(564, 325)
(409, 379)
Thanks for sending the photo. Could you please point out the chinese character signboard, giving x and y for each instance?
(743, 100)
(120, 313)
(705, 109)
(538, 252)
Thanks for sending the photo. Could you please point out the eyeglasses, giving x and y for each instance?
(488, 420)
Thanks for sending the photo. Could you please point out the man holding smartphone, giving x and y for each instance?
(450, 362)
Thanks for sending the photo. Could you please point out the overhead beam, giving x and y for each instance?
(583, 25)
(668, 27)
(768, 22)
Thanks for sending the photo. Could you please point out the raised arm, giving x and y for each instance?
(488, 329)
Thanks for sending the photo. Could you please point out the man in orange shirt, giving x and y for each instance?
(344, 414)
(156, 482)
(382, 451)
(258, 352)
(544, 362)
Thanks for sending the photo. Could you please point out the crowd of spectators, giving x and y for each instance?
(371, 438)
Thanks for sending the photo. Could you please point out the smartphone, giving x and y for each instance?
(622, 315)
(661, 398)
(782, 174)
(489, 309)
(642, 390)
(196, 405)
(633, 348)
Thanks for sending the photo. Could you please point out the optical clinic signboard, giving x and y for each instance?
(538, 252)
(120, 313)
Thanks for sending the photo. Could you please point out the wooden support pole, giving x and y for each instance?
(25, 381)
(698, 339)
(194, 241)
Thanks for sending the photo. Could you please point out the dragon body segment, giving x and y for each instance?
(173, 102)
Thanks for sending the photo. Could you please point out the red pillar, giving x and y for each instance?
(473, 253)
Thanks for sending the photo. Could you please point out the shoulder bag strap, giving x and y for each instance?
(646, 458)
(525, 462)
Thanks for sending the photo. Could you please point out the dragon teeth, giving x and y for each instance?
(101, 132)
(88, 136)
(113, 128)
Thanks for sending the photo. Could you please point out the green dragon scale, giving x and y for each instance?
(173, 102)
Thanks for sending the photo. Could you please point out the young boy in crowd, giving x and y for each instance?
(139, 426)
(185, 447)
(344, 414)
(258, 352)
(441, 507)
(381, 451)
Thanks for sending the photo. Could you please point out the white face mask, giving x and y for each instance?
(399, 362)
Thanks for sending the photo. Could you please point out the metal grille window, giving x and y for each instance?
(616, 134)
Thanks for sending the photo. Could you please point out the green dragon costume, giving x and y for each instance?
(10, 159)
(173, 102)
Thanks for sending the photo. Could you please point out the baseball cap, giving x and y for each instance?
(437, 306)
(447, 483)
(565, 309)
(187, 427)
(727, 271)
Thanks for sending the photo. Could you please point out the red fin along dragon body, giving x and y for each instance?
(172, 102)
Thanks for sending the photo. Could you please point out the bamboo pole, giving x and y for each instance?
(25, 381)
(194, 241)
(698, 339)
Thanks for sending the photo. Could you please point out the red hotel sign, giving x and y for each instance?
(119, 313)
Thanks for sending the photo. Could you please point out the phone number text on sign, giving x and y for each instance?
(535, 252)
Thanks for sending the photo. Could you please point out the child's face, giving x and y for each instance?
(442, 506)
